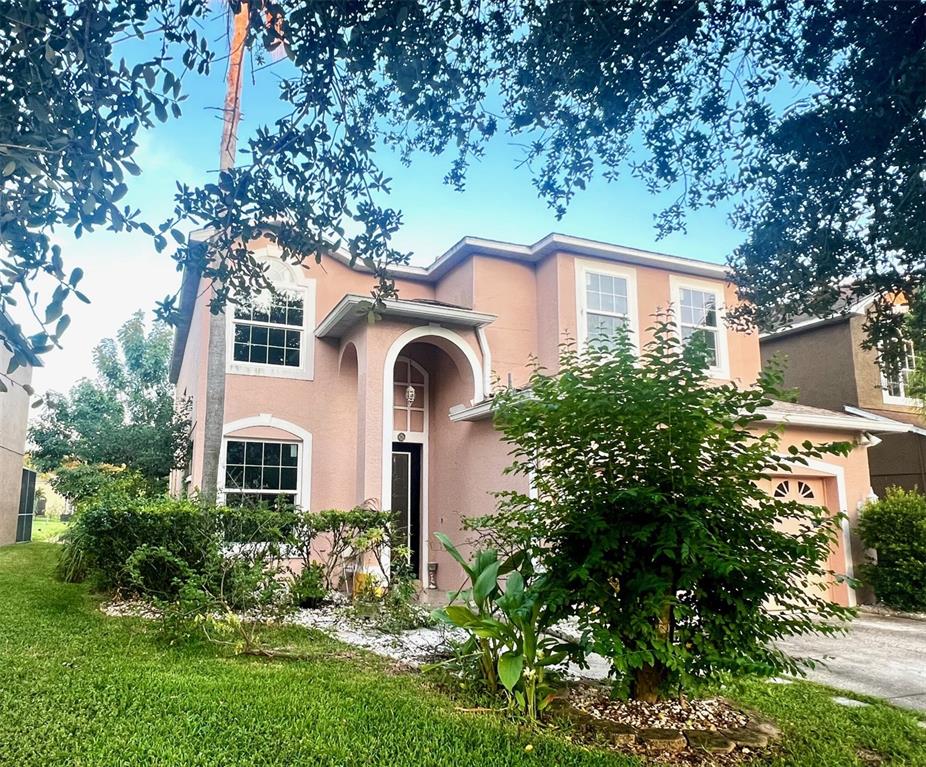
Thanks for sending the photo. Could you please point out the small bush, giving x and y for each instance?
(895, 527)
(308, 588)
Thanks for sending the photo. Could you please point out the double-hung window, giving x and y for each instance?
(897, 385)
(259, 471)
(269, 331)
(699, 319)
(606, 302)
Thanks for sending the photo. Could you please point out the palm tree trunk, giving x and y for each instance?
(214, 417)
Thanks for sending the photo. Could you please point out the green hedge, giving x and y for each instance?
(895, 527)
(144, 545)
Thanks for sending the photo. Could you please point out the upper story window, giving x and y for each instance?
(698, 313)
(270, 331)
(897, 386)
(258, 471)
(606, 301)
(272, 334)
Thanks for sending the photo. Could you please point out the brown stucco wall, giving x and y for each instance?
(819, 364)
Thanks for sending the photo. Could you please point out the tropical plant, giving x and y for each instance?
(895, 527)
(508, 626)
(648, 516)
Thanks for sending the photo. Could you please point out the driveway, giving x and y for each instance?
(880, 656)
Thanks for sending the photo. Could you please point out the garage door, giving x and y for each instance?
(811, 491)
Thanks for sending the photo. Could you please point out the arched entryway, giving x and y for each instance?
(426, 372)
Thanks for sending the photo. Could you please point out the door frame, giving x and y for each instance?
(410, 437)
(415, 451)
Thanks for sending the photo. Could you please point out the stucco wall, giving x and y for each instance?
(819, 364)
(14, 413)
(900, 460)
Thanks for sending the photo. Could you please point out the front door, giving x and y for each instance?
(406, 498)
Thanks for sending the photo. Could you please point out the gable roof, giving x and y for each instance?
(847, 305)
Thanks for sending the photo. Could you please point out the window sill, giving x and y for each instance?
(268, 371)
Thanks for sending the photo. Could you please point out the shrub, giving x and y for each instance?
(308, 589)
(102, 540)
(648, 517)
(895, 527)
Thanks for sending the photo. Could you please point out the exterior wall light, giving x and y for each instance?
(432, 575)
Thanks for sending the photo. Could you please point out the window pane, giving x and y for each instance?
(287, 479)
(259, 335)
(272, 453)
(294, 315)
(234, 452)
(602, 327)
(290, 454)
(234, 476)
(272, 478)
(276, 337)
(275, 355)
(293, 338)
(259, 354)
(292, 358)
(252, 477)
(254, 453)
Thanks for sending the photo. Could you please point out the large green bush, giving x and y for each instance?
(895, 527)
(648, 517)
(135, 544)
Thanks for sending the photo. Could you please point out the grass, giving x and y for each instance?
(47, 528)
(77, 688)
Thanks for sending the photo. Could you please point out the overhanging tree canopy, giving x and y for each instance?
(808, 114)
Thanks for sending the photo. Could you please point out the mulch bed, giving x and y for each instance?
(709, 731)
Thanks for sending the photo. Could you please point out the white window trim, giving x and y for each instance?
(304, 288)
(299, 436)
(721, 370)
(893, 399)
(585, 267)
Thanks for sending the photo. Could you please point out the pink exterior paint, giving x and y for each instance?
(341, 405)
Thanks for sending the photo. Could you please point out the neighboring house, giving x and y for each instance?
(330, 410)
(17, 484)
(828, 366)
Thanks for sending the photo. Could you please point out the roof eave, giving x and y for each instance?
(352, 306)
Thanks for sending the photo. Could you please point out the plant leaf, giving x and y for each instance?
(510, 666)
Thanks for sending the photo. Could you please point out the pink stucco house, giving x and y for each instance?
(331, 410)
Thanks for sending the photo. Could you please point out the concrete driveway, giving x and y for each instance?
(880, 656)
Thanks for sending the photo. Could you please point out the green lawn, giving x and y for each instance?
(47, 528)
(77, 688)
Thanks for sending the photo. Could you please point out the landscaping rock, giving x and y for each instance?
(661, 739)
(709, 742)
(746, 737)
(848, 702)
(619, 734)
(770, 729)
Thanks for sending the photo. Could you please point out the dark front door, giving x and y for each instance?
(406, 498)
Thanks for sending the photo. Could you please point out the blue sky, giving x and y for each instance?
(124, 273)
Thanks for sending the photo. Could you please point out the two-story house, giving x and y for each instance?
(328, 409)
(828, 366)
